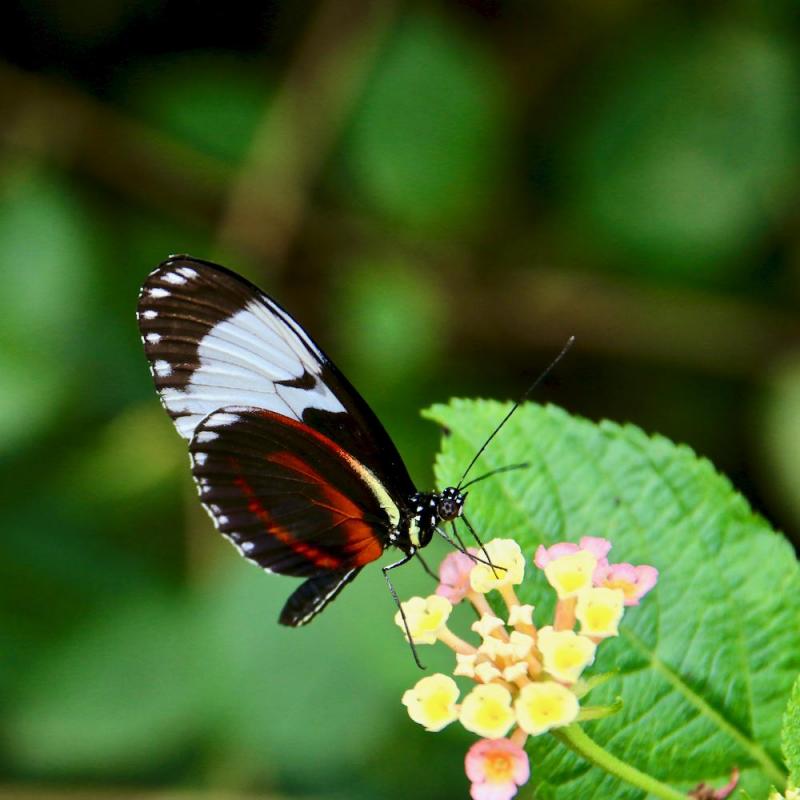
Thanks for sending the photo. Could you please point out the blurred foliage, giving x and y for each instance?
(430, 130)
(212, 100)
(476, 177)
(682, 167)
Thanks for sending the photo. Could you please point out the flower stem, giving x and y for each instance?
(481, 603)
(446, 636)
(578, 740)
(565, 614)
(519, 737)
(509, 596)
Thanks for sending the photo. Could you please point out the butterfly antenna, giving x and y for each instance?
(522, 399)
(497, 471)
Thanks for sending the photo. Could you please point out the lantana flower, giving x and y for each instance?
(425, 616)
(595, 545)
(432, 702)
(528, 678)
(565, 653)
(545, 705)
(454, 575)
(571, 573)
(496, 768)
(599, 611)
(634, 582)
(506, 566)
(486, 710)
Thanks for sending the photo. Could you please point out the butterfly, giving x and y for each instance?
(293, 466)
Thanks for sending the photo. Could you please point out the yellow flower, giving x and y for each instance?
(507, 567)
(599, 611)
(520, 615)
(570, 574)
(465, 664)
(426, 616)
(546, 705)
(432, 702)
(565, 653)
(486, 710)
(521, 644)
(515, 671)
(486, 671)
(486, 625)
(493, 648)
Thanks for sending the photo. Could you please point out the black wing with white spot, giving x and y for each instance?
(213, 339)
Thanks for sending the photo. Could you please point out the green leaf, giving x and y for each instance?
(790, 736)
(707, 661)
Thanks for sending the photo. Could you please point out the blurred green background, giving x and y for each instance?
(442, 192)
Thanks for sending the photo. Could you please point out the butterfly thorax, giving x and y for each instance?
(424, 512)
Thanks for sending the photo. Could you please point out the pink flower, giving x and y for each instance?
(454, 575)
(544, 555)
(595, 545)
(497, 768)
(635, 582)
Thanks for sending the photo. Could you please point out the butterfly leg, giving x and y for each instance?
(458, 538)
(480, 544)
(426, 567)
(404, 560)
(458, 544)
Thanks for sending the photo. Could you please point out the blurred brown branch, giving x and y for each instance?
(688, 328)
(267, 200)
(536, 307)
(55, 122)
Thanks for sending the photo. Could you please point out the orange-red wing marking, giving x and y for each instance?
(359, 535)
(288, 497)
(314, 554)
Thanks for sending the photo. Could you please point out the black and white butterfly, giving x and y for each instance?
(291, 463)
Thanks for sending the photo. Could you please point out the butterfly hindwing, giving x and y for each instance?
(313, 595)
(289, 498)
(213, 339)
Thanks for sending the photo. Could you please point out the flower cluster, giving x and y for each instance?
(528, 678)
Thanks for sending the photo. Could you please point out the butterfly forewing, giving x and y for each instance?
(292, 464)
(214, 339)
(288, 497)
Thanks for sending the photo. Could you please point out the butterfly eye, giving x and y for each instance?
(448, 509)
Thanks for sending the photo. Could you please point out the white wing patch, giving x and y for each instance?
(241, 358)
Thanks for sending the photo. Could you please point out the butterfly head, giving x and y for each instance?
(450, 504)
(427, 510)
